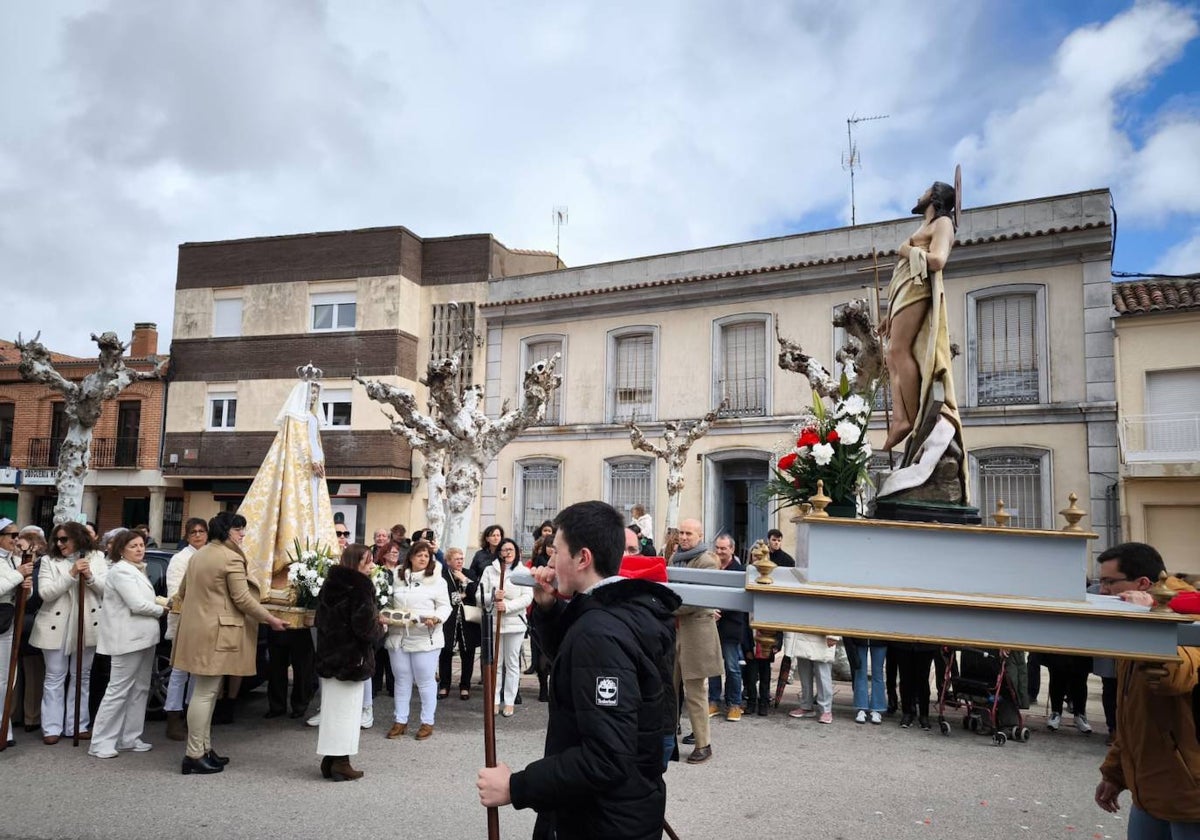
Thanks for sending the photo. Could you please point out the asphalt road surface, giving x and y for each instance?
(769, 777)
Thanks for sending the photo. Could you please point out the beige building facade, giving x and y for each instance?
(1158, 389)
(668, 337)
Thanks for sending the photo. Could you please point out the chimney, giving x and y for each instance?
(145, 341)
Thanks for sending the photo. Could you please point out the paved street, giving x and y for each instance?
(768, 777)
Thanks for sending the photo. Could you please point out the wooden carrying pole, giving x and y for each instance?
(11, 679)
(79, 619)
(488, 664)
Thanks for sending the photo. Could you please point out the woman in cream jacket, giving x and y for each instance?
(54, 630)
(812, 657)
(511, 602)
(419, 594)
(129, 633)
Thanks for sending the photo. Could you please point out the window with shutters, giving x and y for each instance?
(743, 376)
(537, 483)
(336, 407)
(227, 317)
(1170, 428)
(541, 348)
(1018, 476)
(1007, 346)
(632, 361)
(630, 481)
(453, 330)
(332, 311)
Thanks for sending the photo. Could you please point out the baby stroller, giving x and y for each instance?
(989, 695)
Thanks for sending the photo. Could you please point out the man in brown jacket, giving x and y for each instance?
(1156, 755)
(697, 645)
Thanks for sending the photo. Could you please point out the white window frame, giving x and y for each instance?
(1045, 469)
(213, 398)
(718, 334)
(230, 330)
(1043, 349)
(610, 378)
(561, 370)
(336, 396)
(643, 460)
(520, 532)
(335, 299)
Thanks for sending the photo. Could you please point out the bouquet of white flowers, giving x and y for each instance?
(310, 564)
(383, 586)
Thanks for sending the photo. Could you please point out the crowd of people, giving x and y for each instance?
(87, 595)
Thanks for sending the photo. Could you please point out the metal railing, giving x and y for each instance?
(1160, 437)
(107, 453)
(746, 397)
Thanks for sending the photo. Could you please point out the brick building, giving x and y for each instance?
(124, 485)
(373, 301)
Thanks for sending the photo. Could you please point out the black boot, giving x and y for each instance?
(764, 708)
(202, 766)
(212, 756)
(543, 692)
(326, 763)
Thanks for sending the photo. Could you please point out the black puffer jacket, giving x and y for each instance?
(611, 706)
(347, 626)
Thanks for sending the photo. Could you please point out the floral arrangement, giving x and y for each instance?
(310, 564)
(831, 446)
(383, 585)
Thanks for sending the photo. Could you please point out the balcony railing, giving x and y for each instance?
(1160, 438)
(107, 453)
(746, 397)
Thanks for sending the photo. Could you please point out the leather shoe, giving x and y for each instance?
(50, 740)
(274, 713)
(212, 756)
(689, 739)
(398, 730)
(700, 755)
(202, 766)
(326, 764)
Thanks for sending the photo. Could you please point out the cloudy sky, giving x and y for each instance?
(134, 125)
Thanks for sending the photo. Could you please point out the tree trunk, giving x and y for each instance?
(673, 511)
(435, 494)
(463, 479)
(74, 454)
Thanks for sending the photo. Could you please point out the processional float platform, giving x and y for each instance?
(959, 585)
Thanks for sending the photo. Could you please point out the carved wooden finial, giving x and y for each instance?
(1001, 516)
(819, 500)
(1162, 594)
(1072, 513)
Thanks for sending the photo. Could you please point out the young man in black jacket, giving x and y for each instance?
(611, 700)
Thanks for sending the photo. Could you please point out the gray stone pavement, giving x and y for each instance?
(769, 777)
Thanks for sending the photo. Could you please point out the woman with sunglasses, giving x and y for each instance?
(511, 603)
(129, 632)
(70, 558)
(16, 574)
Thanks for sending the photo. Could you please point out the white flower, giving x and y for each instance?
(822, 453)
(848, 432)
(801, 452)
(852, 405)
(849, 370)
(866, 449)
(320, 582)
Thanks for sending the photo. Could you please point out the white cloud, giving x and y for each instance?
(1183, 258)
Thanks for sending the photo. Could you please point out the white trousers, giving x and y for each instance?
(122, 713)
(419, 668)
(179, 690)
(820, 673)
(6, 640)
(509, 667)
(58, 704)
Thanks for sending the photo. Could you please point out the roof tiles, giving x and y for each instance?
(1142, 297)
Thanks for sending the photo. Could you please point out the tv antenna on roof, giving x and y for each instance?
(850, 159)
(560, 219)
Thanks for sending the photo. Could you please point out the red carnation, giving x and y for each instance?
(785, 463)
(832, 437)
(808, 437)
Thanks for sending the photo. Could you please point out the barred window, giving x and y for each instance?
(453, 329)
(1018, 478)
(541, 350)
(742, 380)
(632, 395)
(538, 500)
(631, 482)
(172, 524)
(1006, 356)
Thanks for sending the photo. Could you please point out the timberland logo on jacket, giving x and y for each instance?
(606, 691)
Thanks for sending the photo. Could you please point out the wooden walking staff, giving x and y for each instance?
(11, 679)
(487, 663)
(79, 654)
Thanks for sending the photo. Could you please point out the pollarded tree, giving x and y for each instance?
(82, 403)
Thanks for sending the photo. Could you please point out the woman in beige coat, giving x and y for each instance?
(218, 631)
(54, 630)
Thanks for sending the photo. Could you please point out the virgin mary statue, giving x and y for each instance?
(288, 500)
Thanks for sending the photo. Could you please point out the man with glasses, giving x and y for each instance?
(1155, 755)
(14, 576)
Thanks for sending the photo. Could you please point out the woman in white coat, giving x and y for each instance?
(421, 596)
(511, 602)
(14, 577)
(180, 685)
(129, 633)
(812, 657)
(70, 555)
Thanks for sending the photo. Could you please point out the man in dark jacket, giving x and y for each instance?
(611, 702)
(731, 628)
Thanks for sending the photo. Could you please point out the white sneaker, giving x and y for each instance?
(315, 720)
(137, 746)
(1054, 722)
(368, 717)
(876, 718)
(861, 717)
(1081, 723)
